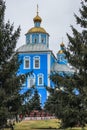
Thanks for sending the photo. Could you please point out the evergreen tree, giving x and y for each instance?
(77, 57)
(72, 100)
(10, 82)
(34, 103)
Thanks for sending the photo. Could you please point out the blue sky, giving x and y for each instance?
(57, 16)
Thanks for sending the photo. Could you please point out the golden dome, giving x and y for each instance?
(60, 52)
(62, 44)
(36, 30)
(37, 19)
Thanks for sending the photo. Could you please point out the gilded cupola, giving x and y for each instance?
(37, 18)
(61, 58)
(62, 46)
(37, 28)
(60, 52)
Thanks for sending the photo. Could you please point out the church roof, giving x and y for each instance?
(62, 46)
(37, 30)
(32, 48)
(61, 68)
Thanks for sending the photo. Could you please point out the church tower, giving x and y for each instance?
(61, 57)
(37, 34)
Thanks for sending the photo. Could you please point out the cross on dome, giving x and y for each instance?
(37, 18)
(37, 9)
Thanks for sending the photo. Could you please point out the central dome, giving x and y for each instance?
(37, 30)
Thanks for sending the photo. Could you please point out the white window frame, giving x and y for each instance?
(34, 59)
(32, 77)
(40, 76)
(25, 59)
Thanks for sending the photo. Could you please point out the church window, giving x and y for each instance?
(40, 79)
(36, 62)
(31, 81)
(26, 62)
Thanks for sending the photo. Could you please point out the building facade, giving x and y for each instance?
(39, 59)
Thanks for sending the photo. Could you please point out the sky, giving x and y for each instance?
(57, 16)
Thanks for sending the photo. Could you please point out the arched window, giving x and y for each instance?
(27, 62)
(31, 81)
(40, 79)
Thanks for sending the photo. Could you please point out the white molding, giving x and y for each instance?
(48, 60)
(39, 38)
(31, 38)
(42, 76)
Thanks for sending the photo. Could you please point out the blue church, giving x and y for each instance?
(38, 58)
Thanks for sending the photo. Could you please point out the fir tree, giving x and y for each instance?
(10, 82)
(35, 101)
(77, 56)
(72, 100)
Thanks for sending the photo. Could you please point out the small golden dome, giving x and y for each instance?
(60, 52)
(36, 30)
(37, 19)
(62, 44)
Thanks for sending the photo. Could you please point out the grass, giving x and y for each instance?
(40, 125)
(37, 124)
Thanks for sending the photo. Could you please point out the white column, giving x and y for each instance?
(31, 38)
(47, 41)
(48, 60)
(39, 38)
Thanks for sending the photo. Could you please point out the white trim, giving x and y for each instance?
(46, 39)
(48, 59)
(39, 38)
(26, 58)
(41, 76)
(31, 38)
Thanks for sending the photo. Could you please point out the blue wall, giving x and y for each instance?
(43, 70)
(53, 60)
